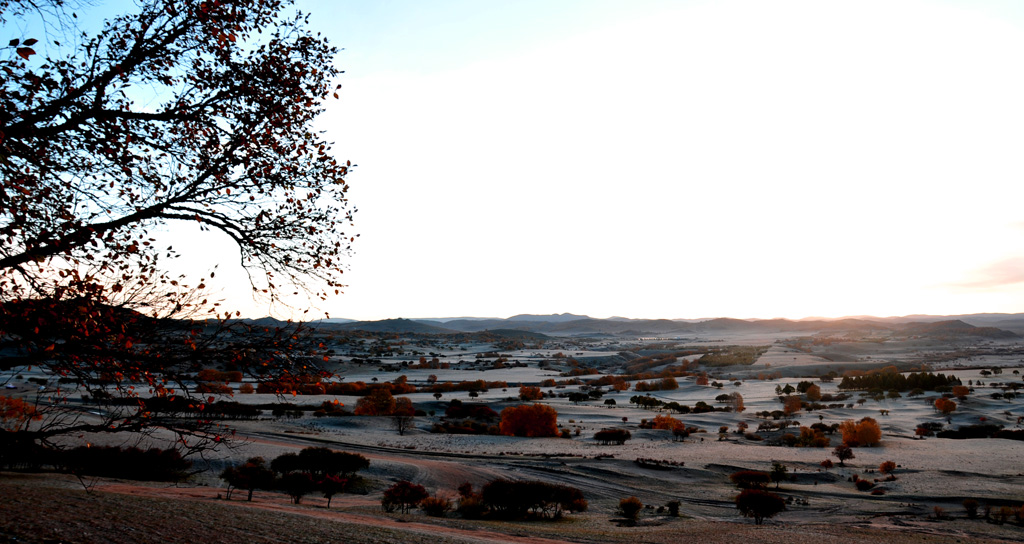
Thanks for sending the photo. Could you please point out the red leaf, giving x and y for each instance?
(26, 52)
(30, 42)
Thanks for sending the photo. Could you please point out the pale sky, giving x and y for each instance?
(677, 159)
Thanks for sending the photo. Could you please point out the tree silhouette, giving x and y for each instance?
(193, 113)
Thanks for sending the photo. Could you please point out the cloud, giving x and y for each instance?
(999, 274)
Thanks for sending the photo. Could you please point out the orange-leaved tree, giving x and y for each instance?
(528, 392)
(379, 402)
(533, 420)
(865, 432)
(946, 406)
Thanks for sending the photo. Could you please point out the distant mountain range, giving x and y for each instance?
(976, 325)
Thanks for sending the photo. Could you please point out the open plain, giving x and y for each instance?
(923, 502)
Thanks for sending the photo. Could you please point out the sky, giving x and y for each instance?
(680, 159)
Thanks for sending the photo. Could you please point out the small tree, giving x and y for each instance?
(759, 504)
(402, 417)
(945, 406)
(843, 453)
(826, 464)
(332, 485)
(778, 472)
(791, 405)
(813, 393)
(404, 495)
(630, 508)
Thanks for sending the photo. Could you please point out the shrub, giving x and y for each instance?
(1003, 514)
(759, 504)
(535, 420)
(471, 507)
(887, 467)
(436, 506)
(750, 479)
(404, 495)
(673, 507)
(971, 507)
(630, 508)
(864, 485)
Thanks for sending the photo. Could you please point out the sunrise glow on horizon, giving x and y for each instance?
(675, 159)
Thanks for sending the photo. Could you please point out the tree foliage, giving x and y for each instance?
(16, 414)
(890, 380)
(319, 462)
(865, 432)
(533, 420)
(249, 476)
(529, 393)
(379, 402)
(844, 453)
(609, 436)
(759, 504)
(944, 405)
(515, 499)
(403, 495)
(630, 507)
